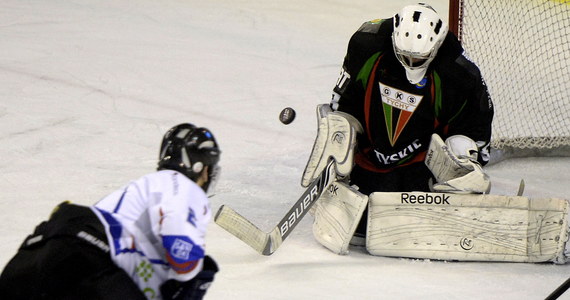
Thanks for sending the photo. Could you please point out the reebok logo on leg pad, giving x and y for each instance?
(427, 198)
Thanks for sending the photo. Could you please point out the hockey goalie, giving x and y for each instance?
(410, 182)
(455, 220)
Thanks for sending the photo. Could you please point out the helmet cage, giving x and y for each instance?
(418, 34)
(412, 60)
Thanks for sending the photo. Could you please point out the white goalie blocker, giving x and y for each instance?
(339, 209)
(336, 139)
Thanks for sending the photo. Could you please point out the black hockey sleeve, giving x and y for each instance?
(193, 289)
(473, 115)
(369, 41)
(345, 96)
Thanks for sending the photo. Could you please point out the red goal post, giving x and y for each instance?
(523, 50)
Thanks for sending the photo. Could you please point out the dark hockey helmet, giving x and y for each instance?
(189, 149)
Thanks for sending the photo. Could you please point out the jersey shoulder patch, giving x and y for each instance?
(373, 36)
(371, 26)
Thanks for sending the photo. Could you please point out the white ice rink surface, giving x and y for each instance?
(87, 88)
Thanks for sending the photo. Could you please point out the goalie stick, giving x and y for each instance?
(267, 243)
(520, 192)
(559, 291)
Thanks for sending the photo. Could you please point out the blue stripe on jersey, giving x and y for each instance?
(120, 201)
(115, 229)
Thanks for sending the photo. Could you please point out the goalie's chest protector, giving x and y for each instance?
(399, 117)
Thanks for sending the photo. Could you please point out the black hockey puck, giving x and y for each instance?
(287, 115)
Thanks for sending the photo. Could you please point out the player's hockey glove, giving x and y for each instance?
(193, 289)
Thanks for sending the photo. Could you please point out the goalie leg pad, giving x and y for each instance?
(336, 138)
(467, 227)
(337, 214)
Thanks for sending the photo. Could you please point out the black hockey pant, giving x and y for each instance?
(66, 257)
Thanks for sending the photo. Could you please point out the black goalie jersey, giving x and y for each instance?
(399, 117)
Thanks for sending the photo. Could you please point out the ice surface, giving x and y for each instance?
(88, 87)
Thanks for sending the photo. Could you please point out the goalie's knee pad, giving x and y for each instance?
(336, 138)
(337, 213)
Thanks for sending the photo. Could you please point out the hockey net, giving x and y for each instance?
(523, 50)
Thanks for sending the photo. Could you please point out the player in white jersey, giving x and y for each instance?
(145, 240)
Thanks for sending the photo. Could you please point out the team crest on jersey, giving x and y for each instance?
(398, 107)
(181, 249)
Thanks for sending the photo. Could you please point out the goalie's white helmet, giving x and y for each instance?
(418, 33)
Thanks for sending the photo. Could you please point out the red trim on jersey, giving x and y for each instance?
(368, 96)
(181, 268)
(432, 100)
(161, 214)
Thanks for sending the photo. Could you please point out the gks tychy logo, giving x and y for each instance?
(398, 106)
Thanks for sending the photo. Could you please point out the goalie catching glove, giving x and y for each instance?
(455, 167)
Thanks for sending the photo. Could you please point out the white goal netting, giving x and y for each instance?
(523, 50)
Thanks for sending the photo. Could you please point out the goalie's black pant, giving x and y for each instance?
(414, 177)
(53, 263)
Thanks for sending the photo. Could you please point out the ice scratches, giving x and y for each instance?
(59, 81)
(40, 129)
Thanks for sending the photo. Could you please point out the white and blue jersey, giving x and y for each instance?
(156, 227)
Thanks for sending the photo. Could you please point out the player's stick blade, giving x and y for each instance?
(243, 229)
